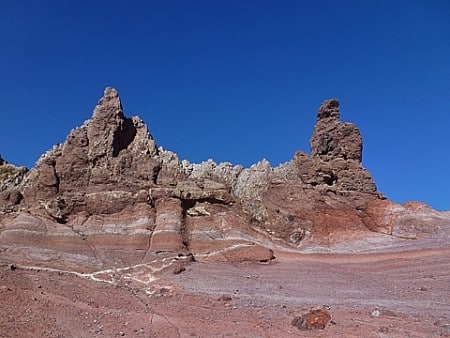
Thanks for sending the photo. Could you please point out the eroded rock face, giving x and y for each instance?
(333, 138)
(10, 178)
(336, 150)
(105, 165)
(111, 192)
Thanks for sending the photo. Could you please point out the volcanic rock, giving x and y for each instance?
(335, 139)
(316, 319)
(109, 194)
(10, 177)
(105, 165)
(169, 224)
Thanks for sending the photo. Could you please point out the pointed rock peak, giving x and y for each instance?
(109, 105)
(110, 93)
(329, 109)
(109, 131)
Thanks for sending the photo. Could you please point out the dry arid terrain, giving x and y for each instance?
(110, 235)
(410, 290)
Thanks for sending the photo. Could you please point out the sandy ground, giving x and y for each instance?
(410, 290)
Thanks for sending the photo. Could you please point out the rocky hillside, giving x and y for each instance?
(109, 193)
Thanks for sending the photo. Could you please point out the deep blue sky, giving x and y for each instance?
(238, 81)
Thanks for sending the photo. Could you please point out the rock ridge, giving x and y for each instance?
(110, 187)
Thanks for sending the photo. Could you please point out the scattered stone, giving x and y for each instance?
(179, 268)
(377, 313)
(225, 298)
(388, 313)
(315, 319)
(383, 329)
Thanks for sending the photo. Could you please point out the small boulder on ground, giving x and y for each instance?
(316, 319)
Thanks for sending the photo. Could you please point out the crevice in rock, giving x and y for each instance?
(149, 240)
(156, 170)
(212, 200)
(186, 205)
(123, 136)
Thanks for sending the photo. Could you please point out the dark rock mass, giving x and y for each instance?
(334, 139)
(108, 192)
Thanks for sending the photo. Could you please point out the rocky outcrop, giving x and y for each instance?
(10, 178)
(105, 165)
(336, 150)
(111, 191)
(334, 139)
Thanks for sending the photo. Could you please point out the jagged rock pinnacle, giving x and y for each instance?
(329, 108)
(109, 105)
(333, 139)
(109, 131)
(110, 93)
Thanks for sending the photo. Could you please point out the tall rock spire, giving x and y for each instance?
(109, 131)
(332, 138)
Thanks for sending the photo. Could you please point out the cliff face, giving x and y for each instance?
(108, 192)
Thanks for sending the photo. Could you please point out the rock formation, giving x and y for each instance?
(10, 178)
(315, 319)
(109, 193)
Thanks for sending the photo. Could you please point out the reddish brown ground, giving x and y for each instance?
(411, 291)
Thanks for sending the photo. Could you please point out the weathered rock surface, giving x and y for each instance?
(315, 319)
(334, 139)
(109, 194)
(10, 178)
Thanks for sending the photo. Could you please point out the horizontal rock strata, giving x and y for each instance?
(108, 193)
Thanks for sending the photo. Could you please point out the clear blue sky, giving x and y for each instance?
(237, 80)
